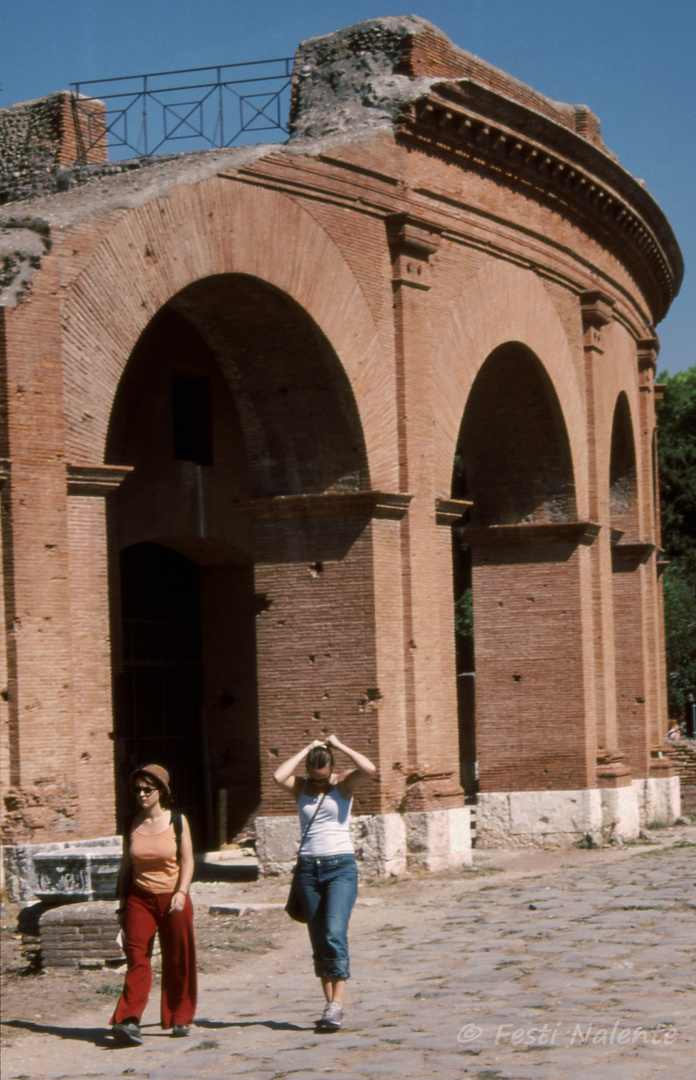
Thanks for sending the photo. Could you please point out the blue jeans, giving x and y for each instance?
(327, 888)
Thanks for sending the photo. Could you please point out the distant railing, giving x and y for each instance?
(193, 109)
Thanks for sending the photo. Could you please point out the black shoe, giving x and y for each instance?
(127, 1034)
(180, 1031)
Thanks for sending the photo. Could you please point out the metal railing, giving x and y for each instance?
(192, 109)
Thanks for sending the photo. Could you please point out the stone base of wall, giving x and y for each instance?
(385, 844)
(620, 813)
(80, 935)
(544, 819)
(659, 800)
(554, 819)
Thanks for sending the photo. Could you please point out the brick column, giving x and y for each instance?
(431, 712)
(597, 312)
(35, 545)
(632, 650)
(655, 676)
(534, 690)
(8, 734)
(328, 655)
(92, 708)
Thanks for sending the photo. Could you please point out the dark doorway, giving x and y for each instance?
(159, 693)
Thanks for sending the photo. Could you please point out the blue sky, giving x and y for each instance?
(631, 61)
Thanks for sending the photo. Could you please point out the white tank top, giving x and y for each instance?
(330, 832)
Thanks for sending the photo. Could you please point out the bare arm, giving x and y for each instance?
(185, 869)
(284, 776)
(364, 768)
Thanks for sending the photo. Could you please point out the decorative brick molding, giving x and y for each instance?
(470, 122)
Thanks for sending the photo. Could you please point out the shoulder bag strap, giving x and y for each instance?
(304, 834)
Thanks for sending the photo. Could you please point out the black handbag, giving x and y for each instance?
(293, 906)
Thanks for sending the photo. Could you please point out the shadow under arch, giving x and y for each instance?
(513, 454)
(231, 396)
(623, 479)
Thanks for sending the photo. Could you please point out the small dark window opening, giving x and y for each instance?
(193, 419)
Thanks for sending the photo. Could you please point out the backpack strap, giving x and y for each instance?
(178, 828)
(176, 817)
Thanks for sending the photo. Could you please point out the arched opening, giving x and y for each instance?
(232, 396)
(513, 463)
(513, 451)
(622, 472)
(628, 557)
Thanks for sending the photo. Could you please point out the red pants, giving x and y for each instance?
(146, 914)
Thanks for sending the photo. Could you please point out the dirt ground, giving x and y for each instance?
(221, 942)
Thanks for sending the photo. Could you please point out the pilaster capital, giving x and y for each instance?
(597, 311)
(647, 350)
(411, 243)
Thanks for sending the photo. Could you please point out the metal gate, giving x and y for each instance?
(159, 695)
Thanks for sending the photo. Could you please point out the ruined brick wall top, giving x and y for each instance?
(364, 64)
(39, 139)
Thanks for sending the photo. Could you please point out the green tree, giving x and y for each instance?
(677, 468)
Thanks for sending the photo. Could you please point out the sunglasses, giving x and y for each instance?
(143, 790)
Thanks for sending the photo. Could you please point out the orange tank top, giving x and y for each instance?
(153, 857)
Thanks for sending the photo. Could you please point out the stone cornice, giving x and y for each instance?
(543, 532)
(477, 125)
(369, 504)
(451, 511)
(95, 479)
(632, 551)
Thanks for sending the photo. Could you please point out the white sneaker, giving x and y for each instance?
(332, 1016)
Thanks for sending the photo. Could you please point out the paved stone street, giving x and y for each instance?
(566, 965)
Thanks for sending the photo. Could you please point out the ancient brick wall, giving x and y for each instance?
(366, 309)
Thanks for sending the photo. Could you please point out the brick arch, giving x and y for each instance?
(515, 458)
(216, 227)
(619, 379)
(504, 304)
(622, 479)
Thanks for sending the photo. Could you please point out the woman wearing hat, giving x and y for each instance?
(153, 889)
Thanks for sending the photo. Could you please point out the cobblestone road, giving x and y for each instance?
(575, 964)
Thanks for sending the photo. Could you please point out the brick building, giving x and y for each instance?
(265, 408)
